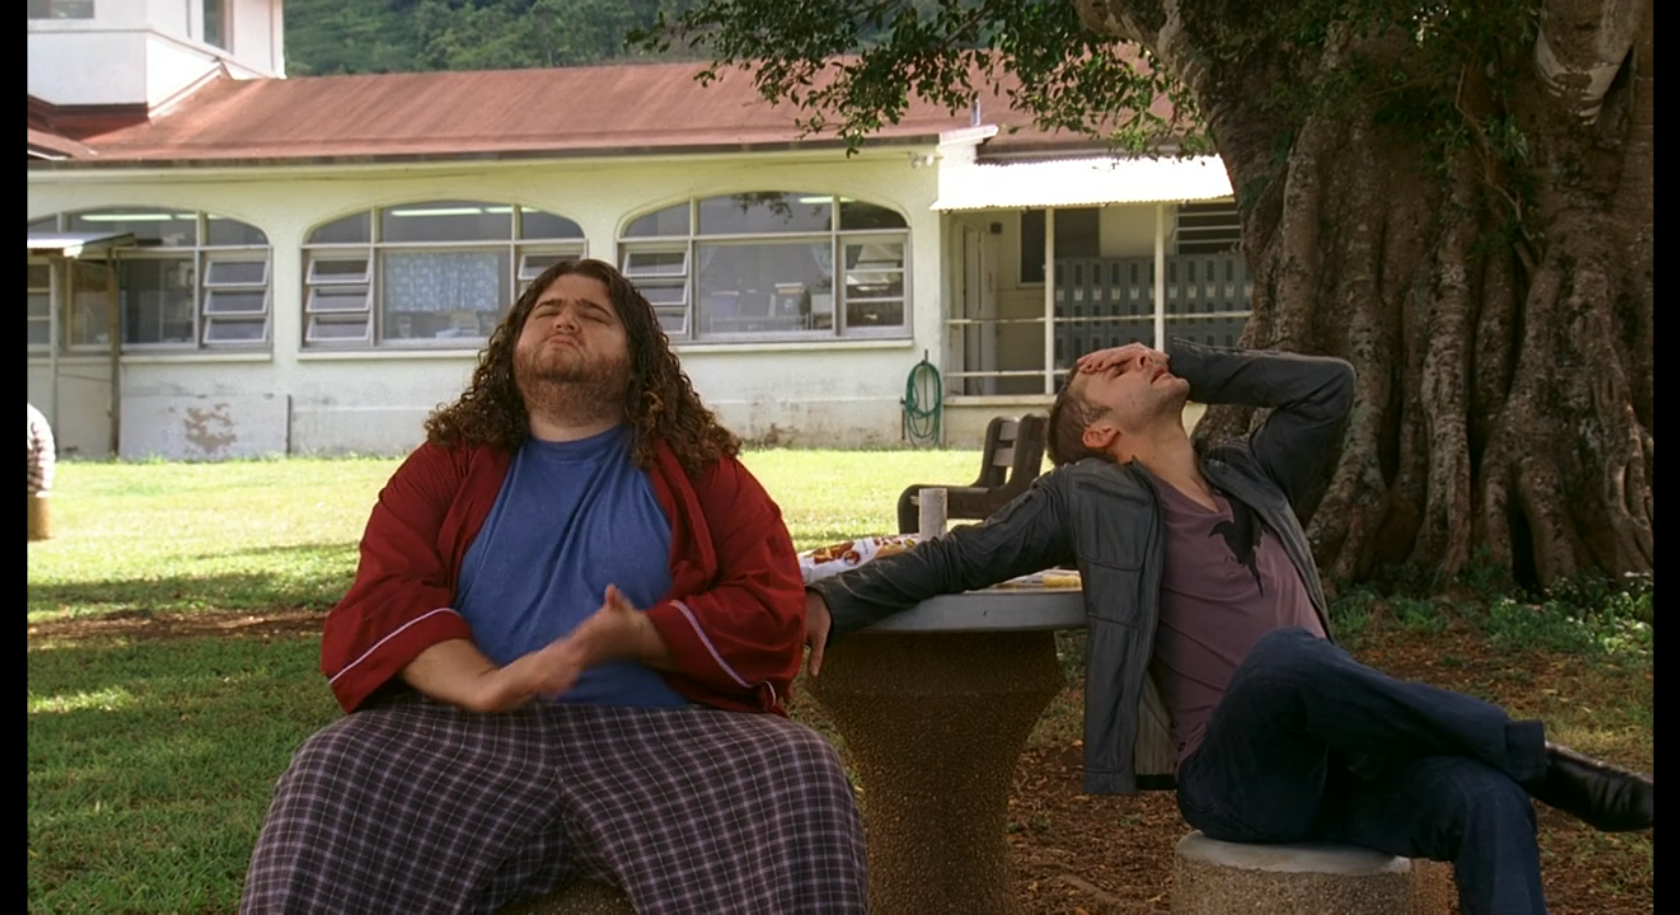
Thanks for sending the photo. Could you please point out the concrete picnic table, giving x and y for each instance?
(934, 705)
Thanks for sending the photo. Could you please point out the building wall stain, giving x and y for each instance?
(210, 429)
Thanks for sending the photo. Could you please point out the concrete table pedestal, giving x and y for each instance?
(934, 716)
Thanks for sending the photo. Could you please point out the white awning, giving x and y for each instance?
(76, 244)
(1081, 183)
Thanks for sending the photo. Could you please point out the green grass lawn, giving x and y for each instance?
(255, 535)
(151, 764)
(151, 761)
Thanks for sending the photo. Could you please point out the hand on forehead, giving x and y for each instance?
(1123, 358)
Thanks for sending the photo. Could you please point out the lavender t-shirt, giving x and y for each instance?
(1227, 581)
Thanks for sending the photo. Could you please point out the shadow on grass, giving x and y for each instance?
(307, 576)
(334, 551)
(151, 765)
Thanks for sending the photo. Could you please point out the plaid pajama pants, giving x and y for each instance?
(417, 806)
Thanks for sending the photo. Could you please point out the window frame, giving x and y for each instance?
(843, 284)
(73, 323)
(680, 281)
(211, 317)
(1216, 228)
(200, 253)
(49, 290)
(221, 37)
(371, 282)
(683, 317)
(160, 255)
(62, 11)
(1025, 263)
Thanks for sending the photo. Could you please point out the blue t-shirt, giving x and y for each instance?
(571, 518)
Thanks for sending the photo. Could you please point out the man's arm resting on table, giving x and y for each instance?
(1027, 535)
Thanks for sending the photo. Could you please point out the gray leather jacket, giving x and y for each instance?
(1104, 517)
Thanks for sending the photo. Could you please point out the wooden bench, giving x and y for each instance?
(1012, 457)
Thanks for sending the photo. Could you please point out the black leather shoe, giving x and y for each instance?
(1603, 796)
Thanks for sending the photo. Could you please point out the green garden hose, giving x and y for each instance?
(924, 404)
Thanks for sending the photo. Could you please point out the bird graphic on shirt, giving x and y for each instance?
(1242, 537)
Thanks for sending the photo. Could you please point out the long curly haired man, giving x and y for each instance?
(659, 401)
(565, 654)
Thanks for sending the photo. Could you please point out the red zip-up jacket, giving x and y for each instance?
(734, 619)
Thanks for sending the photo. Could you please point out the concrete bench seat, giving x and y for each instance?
(580, 897)
(1219, 878)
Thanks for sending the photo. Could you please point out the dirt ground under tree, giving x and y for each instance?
(1074, 853)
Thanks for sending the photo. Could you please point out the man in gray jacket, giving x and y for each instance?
(1202, 599)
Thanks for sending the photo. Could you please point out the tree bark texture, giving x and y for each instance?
(1495, 296)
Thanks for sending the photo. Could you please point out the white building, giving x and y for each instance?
(224, 262)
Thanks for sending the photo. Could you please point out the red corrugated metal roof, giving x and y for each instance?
(77, 121)
(55, 145)
(570, 111)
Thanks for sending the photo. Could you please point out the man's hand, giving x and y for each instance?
(1121, 357)
(456, 672)
(547, 673)
(817, 624)
(617, 631)
(620, 632)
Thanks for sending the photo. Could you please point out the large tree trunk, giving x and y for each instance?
(1496, 301)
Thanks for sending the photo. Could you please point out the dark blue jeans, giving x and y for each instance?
(1309, 744)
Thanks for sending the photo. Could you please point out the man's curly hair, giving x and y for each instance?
(659, 405)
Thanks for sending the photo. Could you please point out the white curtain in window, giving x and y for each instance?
(823, 254)
(442, 281)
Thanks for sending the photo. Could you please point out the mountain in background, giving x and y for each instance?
(325, 37)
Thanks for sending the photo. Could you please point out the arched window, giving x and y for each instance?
(771, 265)
(437, 274)
(192, 280)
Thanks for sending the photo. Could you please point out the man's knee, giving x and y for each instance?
(808, 750)
(336, 754)
(1475, 795)
(1285, 649)
(791, 747)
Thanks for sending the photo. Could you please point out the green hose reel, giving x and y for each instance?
(924, 405)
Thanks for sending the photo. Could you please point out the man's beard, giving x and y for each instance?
(577, 394)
